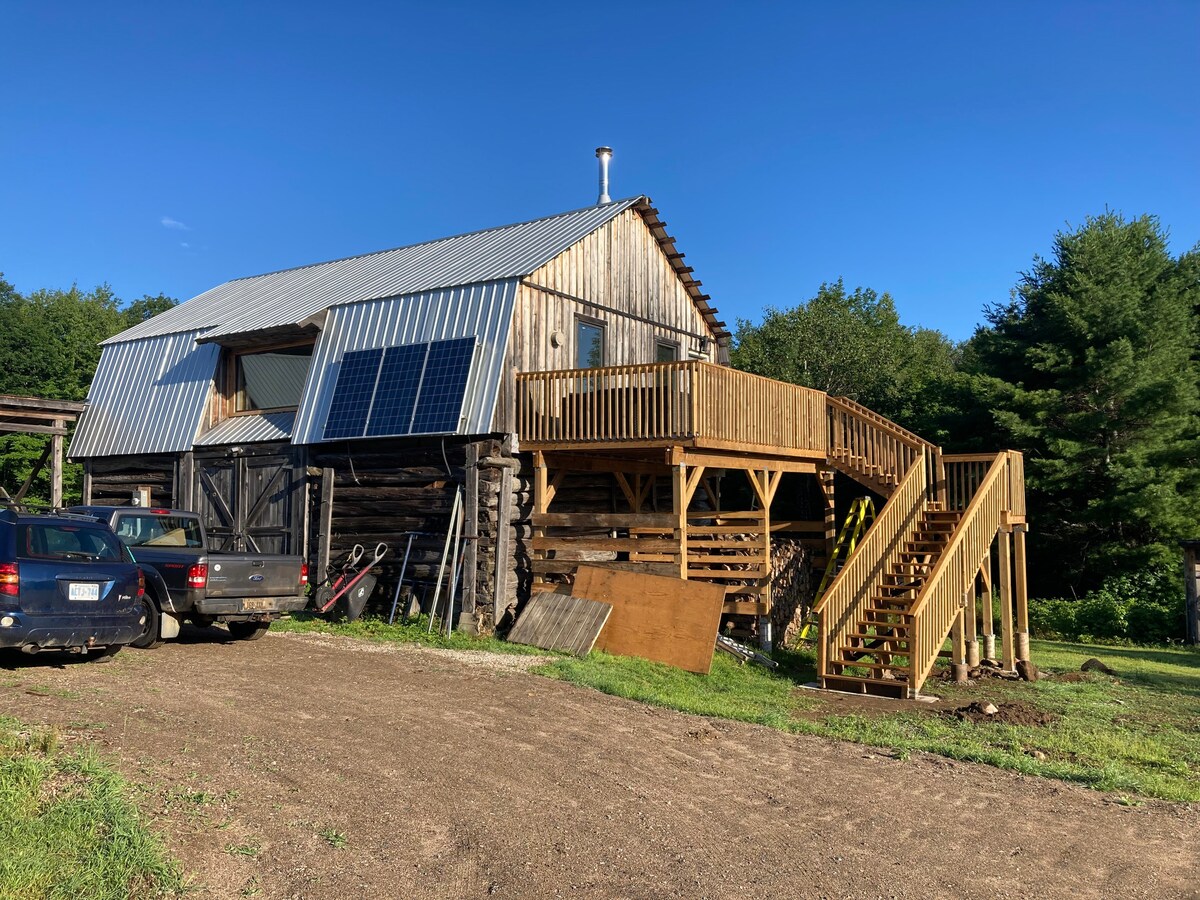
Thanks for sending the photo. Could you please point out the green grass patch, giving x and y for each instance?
(413, 632)
(68, 825)
(1138, 733)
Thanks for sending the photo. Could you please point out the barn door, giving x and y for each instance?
(252, 503)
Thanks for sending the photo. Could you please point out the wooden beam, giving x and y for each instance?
(693, 482)
(503, 521)
(470, 581)
(56, 465)
(324, 525)
(679, 509)
(664, 521)
(1006, 600)
(630, 493)
(589, 462)
(695, 457)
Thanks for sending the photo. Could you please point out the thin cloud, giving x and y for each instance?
(185, 245)
(168, 222)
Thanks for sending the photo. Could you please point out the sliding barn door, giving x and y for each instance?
(252, 503)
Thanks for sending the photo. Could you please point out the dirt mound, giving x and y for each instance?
(1013, 713)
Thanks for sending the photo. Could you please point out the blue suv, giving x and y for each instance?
(67, 583)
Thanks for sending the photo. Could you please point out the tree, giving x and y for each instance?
(849, 344)
(49, 347)
(1091, 368)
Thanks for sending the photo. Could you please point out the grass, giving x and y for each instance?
(68, 825)
(1138, 733)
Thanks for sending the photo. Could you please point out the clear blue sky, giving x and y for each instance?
(925, 149)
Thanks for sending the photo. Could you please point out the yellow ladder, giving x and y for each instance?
(861, 515)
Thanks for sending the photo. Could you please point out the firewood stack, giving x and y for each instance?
(791, 587)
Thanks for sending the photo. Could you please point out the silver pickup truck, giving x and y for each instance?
(186, 580)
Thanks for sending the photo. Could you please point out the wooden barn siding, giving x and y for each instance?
(383, 490)
(621, 266)
(113, 479)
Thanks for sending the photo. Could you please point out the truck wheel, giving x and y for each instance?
(150, 636)
(247, 631)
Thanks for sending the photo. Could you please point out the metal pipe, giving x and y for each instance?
(604, 154)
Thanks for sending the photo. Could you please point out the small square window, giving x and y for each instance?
(665, 351)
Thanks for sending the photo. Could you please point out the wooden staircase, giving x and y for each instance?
(876, 656)
(887, 613)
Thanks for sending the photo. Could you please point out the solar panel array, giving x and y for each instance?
(407, 389)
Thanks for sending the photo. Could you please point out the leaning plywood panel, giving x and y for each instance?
(668, 620)
(560, 622)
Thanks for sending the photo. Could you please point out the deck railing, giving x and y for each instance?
(874, 444)
(679, 401)
(861, 578)
(941, 599)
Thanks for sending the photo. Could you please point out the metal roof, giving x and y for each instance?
(294, 296)
(148, 396)
(250, 429)
(482, 311)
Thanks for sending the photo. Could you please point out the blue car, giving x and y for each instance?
(67, 583)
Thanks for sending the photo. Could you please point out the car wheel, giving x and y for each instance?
(247, 631)
(149, 638)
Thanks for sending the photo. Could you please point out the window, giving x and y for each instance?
(273, 379)
(68, 542)
(665, 351)
(150, 530)
(589, 344)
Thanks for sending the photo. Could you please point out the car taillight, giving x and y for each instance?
(141, 583)
(197, 576)
(303, 574)
(10, 580)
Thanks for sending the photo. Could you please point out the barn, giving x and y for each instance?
(568, 380)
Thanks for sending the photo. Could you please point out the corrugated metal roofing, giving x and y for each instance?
(148, 396)
(252, 429)
(294, 295)
(482, 311)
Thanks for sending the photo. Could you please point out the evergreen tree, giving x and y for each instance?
(1091, 370)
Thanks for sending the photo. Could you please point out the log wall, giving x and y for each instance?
(113, 480)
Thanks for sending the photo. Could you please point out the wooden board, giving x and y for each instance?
(560, 622)
(668, 620)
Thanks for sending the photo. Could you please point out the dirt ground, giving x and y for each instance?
(449, 775)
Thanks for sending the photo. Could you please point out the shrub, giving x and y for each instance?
(1146, 607)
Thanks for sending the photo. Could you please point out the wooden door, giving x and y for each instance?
(252, 502)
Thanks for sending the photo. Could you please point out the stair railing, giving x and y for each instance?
(870, 443)
(861, 578)
(941, 599)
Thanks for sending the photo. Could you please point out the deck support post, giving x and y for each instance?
(1022, 593)
(987, 618)
(958, 658)
(679, 508)
(970, 623)
(826, 477)
(1009, 662)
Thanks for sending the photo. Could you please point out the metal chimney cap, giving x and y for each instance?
(603, 151)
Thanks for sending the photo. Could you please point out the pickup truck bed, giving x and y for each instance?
(246, 591)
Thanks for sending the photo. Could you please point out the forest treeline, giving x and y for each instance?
(1090, 368)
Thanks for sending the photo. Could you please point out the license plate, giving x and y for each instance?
(258, 604)
(83, 592)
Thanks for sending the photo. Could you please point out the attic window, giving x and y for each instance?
(272, 379)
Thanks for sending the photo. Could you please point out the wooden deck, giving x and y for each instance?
(681, 404)
(910, 584)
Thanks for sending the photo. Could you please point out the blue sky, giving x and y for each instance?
(924, 149)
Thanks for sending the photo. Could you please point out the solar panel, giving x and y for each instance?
(396, 391)
(352, 394)
(406, 389)
(444, 386)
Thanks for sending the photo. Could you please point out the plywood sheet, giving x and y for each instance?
(560, 622)
(668, 620)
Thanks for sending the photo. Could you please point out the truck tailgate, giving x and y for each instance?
(246, 575)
